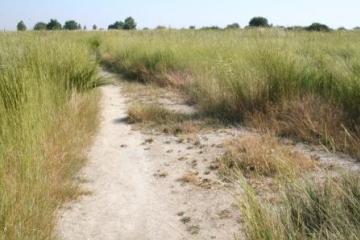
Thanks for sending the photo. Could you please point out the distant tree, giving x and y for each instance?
(40, 26)
(72, 25)
(160, 27)
(318, 27)
(94, 27)
(233, 26)
(192, 27)
(53, 25)
(129, 24)
(295, 28)
(84, 28)
(341, 29)
(211, 28)
(117, 25)
(21, 26)
(356, 28)
(259, 22)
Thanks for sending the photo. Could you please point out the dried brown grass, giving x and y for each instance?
(312, 120)
(263, 156)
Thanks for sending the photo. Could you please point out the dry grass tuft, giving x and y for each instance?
(140, 113)
(312, 120)
(265, 156)
(169, 122)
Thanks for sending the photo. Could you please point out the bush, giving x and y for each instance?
(259, 22)
(21, 26)
(40, 26)
(116, 26)
(318, 27)
(129, 24)
(233, 26)
(53, 25)
(72, 25)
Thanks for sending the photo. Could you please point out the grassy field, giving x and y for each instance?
(297, 84)
(48, 112)
(301, 85)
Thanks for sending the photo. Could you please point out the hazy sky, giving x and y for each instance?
(181, 13)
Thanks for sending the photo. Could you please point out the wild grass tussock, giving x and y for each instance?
(311, 120)
(309, 210)
(263, 156)
(47, 118)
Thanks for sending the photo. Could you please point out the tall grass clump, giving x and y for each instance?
(47, 116)
(237, 73)
(308, 210)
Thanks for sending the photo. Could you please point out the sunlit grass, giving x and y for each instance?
(232, 74)
(47, 115)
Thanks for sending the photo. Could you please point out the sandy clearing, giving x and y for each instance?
(130, 201)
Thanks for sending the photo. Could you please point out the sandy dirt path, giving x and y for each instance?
(123, 204)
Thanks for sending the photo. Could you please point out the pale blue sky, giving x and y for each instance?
(181, 13)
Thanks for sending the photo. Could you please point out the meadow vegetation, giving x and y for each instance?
(307, 209)
(299, 84)
(48, 113)
(303, 85)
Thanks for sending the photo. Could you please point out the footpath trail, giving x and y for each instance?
(129, 201)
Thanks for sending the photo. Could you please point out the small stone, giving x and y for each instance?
(193, 230)
(123, 146)
(149, 140)
(163, 174)
(214, 167)
(180, 214)
(194, 163)
(185, 220)
(182, 159)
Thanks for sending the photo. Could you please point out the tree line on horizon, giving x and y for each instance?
(130, 24)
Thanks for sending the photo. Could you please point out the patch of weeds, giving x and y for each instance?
(263, 156)
(309, 209)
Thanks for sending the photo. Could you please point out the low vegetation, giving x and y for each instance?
(263, 156)
(297, 84)
(155, 116)
(308, 210)
(48, 114)
(234, 74)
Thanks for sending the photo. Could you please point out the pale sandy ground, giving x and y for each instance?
(135, 192)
